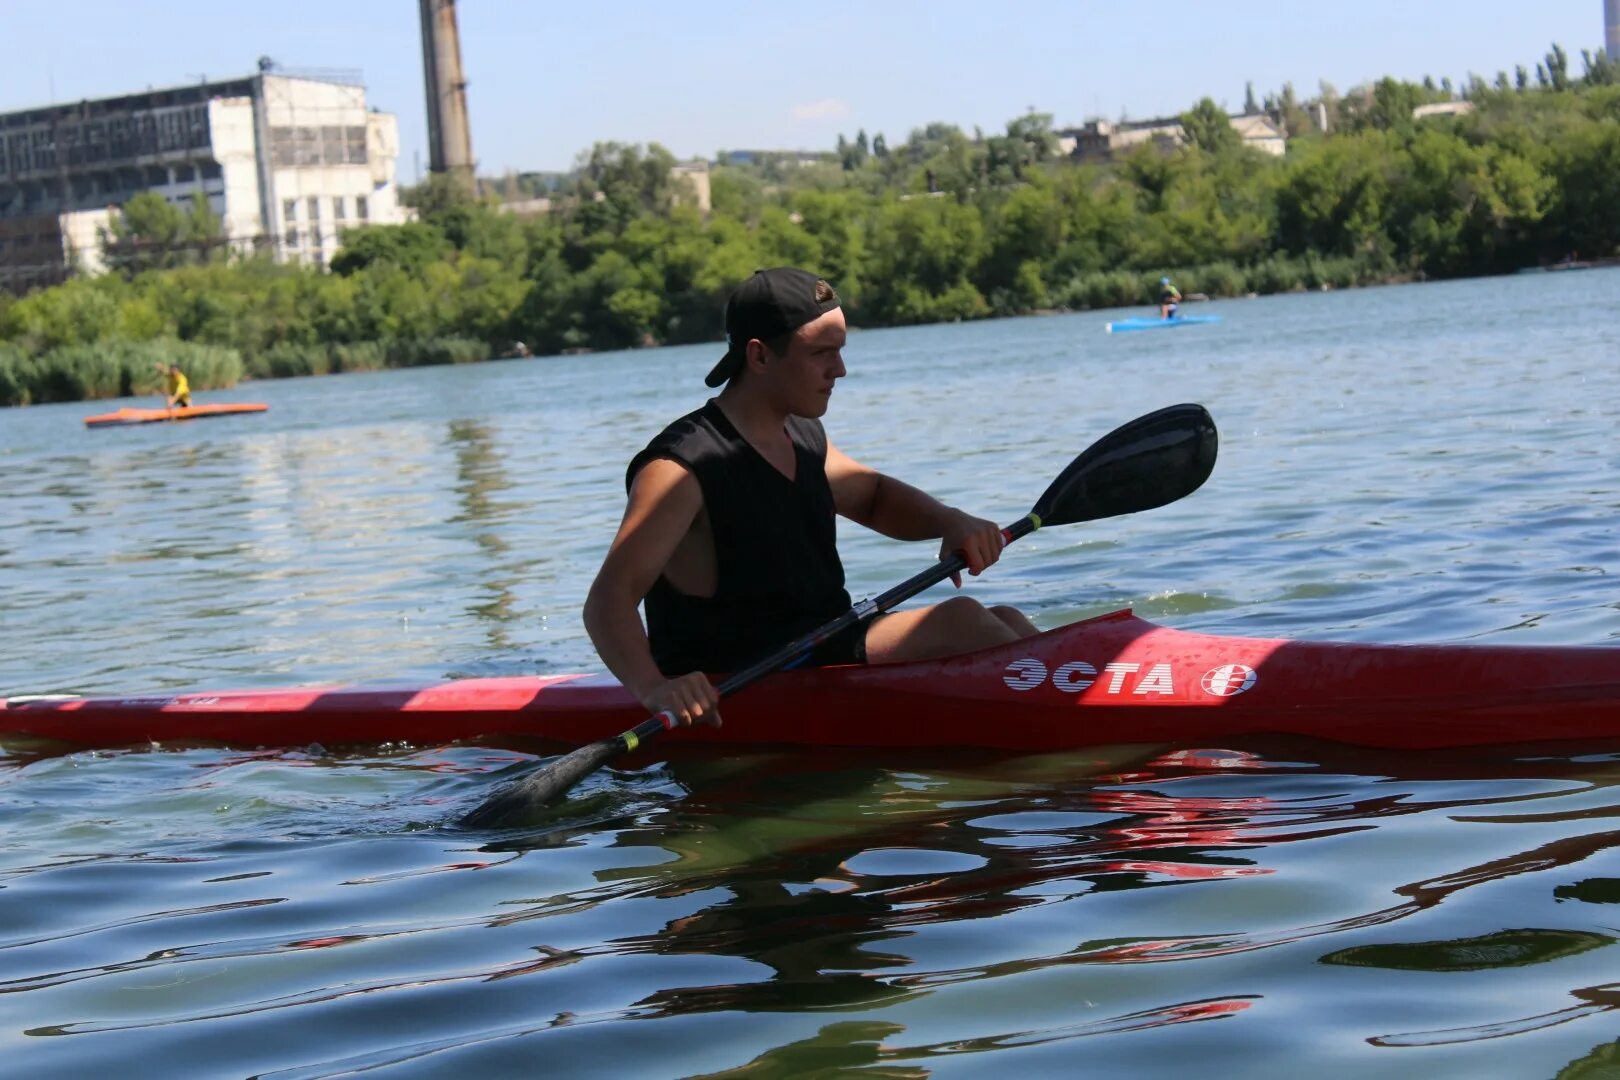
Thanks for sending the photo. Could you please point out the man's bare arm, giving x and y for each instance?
(664, 502)
(896, 509)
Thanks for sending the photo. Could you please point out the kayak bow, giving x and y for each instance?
(1112, 679)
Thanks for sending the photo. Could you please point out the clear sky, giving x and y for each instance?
(547, 79)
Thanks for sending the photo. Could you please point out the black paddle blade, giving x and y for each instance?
(523, 797)
(1153, 460)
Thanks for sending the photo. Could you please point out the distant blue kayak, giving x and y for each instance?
(1159, 324)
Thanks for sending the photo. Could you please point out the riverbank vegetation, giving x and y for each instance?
(947, 225)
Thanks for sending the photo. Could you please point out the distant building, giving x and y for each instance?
(1101, 140)
(515, 186)
(695, 174)
(285, 161)
(781, 157)
(1259, 132)
(526, 207)
(1443, 108)
(690, 180)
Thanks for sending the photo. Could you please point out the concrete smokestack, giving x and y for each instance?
(1611, 28)
(449, 134)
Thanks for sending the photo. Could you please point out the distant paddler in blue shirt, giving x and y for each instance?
(175, 385)
(1169, 299)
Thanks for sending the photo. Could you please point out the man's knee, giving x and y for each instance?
(963, 611)
(970, 624)
(1007, 614)
(1014, 620)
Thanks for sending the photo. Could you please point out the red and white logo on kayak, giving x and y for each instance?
(1124, 677)
(1228, 680)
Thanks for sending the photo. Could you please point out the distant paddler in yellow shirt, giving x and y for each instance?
(176, 386)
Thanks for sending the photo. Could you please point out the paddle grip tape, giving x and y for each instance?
(664, 721)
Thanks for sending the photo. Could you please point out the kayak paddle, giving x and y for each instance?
(1146, 463)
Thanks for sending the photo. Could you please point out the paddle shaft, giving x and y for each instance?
(796, 650)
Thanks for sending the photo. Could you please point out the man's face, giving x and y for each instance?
(804, 374)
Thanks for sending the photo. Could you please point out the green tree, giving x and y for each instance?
(1335, 196)
(926, 250)
(1209, 128)
(1025, 230)
(616, 182)
(1600, 70)
(1390, 104)
(79, 311)
(1558, 68)
(1290, 114)
(436, 196)
(837, 222)
(150, 233)
(410, 246)
(1586, 178)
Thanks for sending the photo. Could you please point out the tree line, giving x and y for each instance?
(946, 225)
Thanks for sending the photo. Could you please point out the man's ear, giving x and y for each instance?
(757, 355)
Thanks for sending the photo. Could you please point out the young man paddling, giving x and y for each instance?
(175, 386)
(728, 535)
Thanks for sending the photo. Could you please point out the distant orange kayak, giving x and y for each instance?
(190, 412)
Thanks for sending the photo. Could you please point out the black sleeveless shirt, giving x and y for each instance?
(776, 555)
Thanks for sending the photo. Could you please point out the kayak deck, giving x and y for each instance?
(1112, 679)
(126, 415)
(1124, 325)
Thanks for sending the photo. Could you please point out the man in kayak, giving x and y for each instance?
(175, 385)
(1169, 299)
(729, 532)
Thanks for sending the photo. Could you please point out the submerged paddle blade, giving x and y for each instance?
(1153, 460)
(523, 797)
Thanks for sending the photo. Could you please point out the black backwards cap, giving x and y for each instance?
(767, 305)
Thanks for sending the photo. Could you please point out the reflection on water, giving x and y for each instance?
(1501, 948)
(480, 470)
(1254, 909)
(942, 908)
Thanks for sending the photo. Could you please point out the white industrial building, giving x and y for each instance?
(286, 162)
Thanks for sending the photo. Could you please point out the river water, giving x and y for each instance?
(1422, 463)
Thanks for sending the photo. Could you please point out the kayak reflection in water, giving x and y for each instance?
(175, 385)
(1169, 299)
(729, 532)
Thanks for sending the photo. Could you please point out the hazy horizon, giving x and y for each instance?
(545, 84)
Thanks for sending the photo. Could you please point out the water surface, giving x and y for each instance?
(1426, 463)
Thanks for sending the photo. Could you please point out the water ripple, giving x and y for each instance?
(307, 913)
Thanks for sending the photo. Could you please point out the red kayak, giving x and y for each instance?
(1112, 679)
(189, 412)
